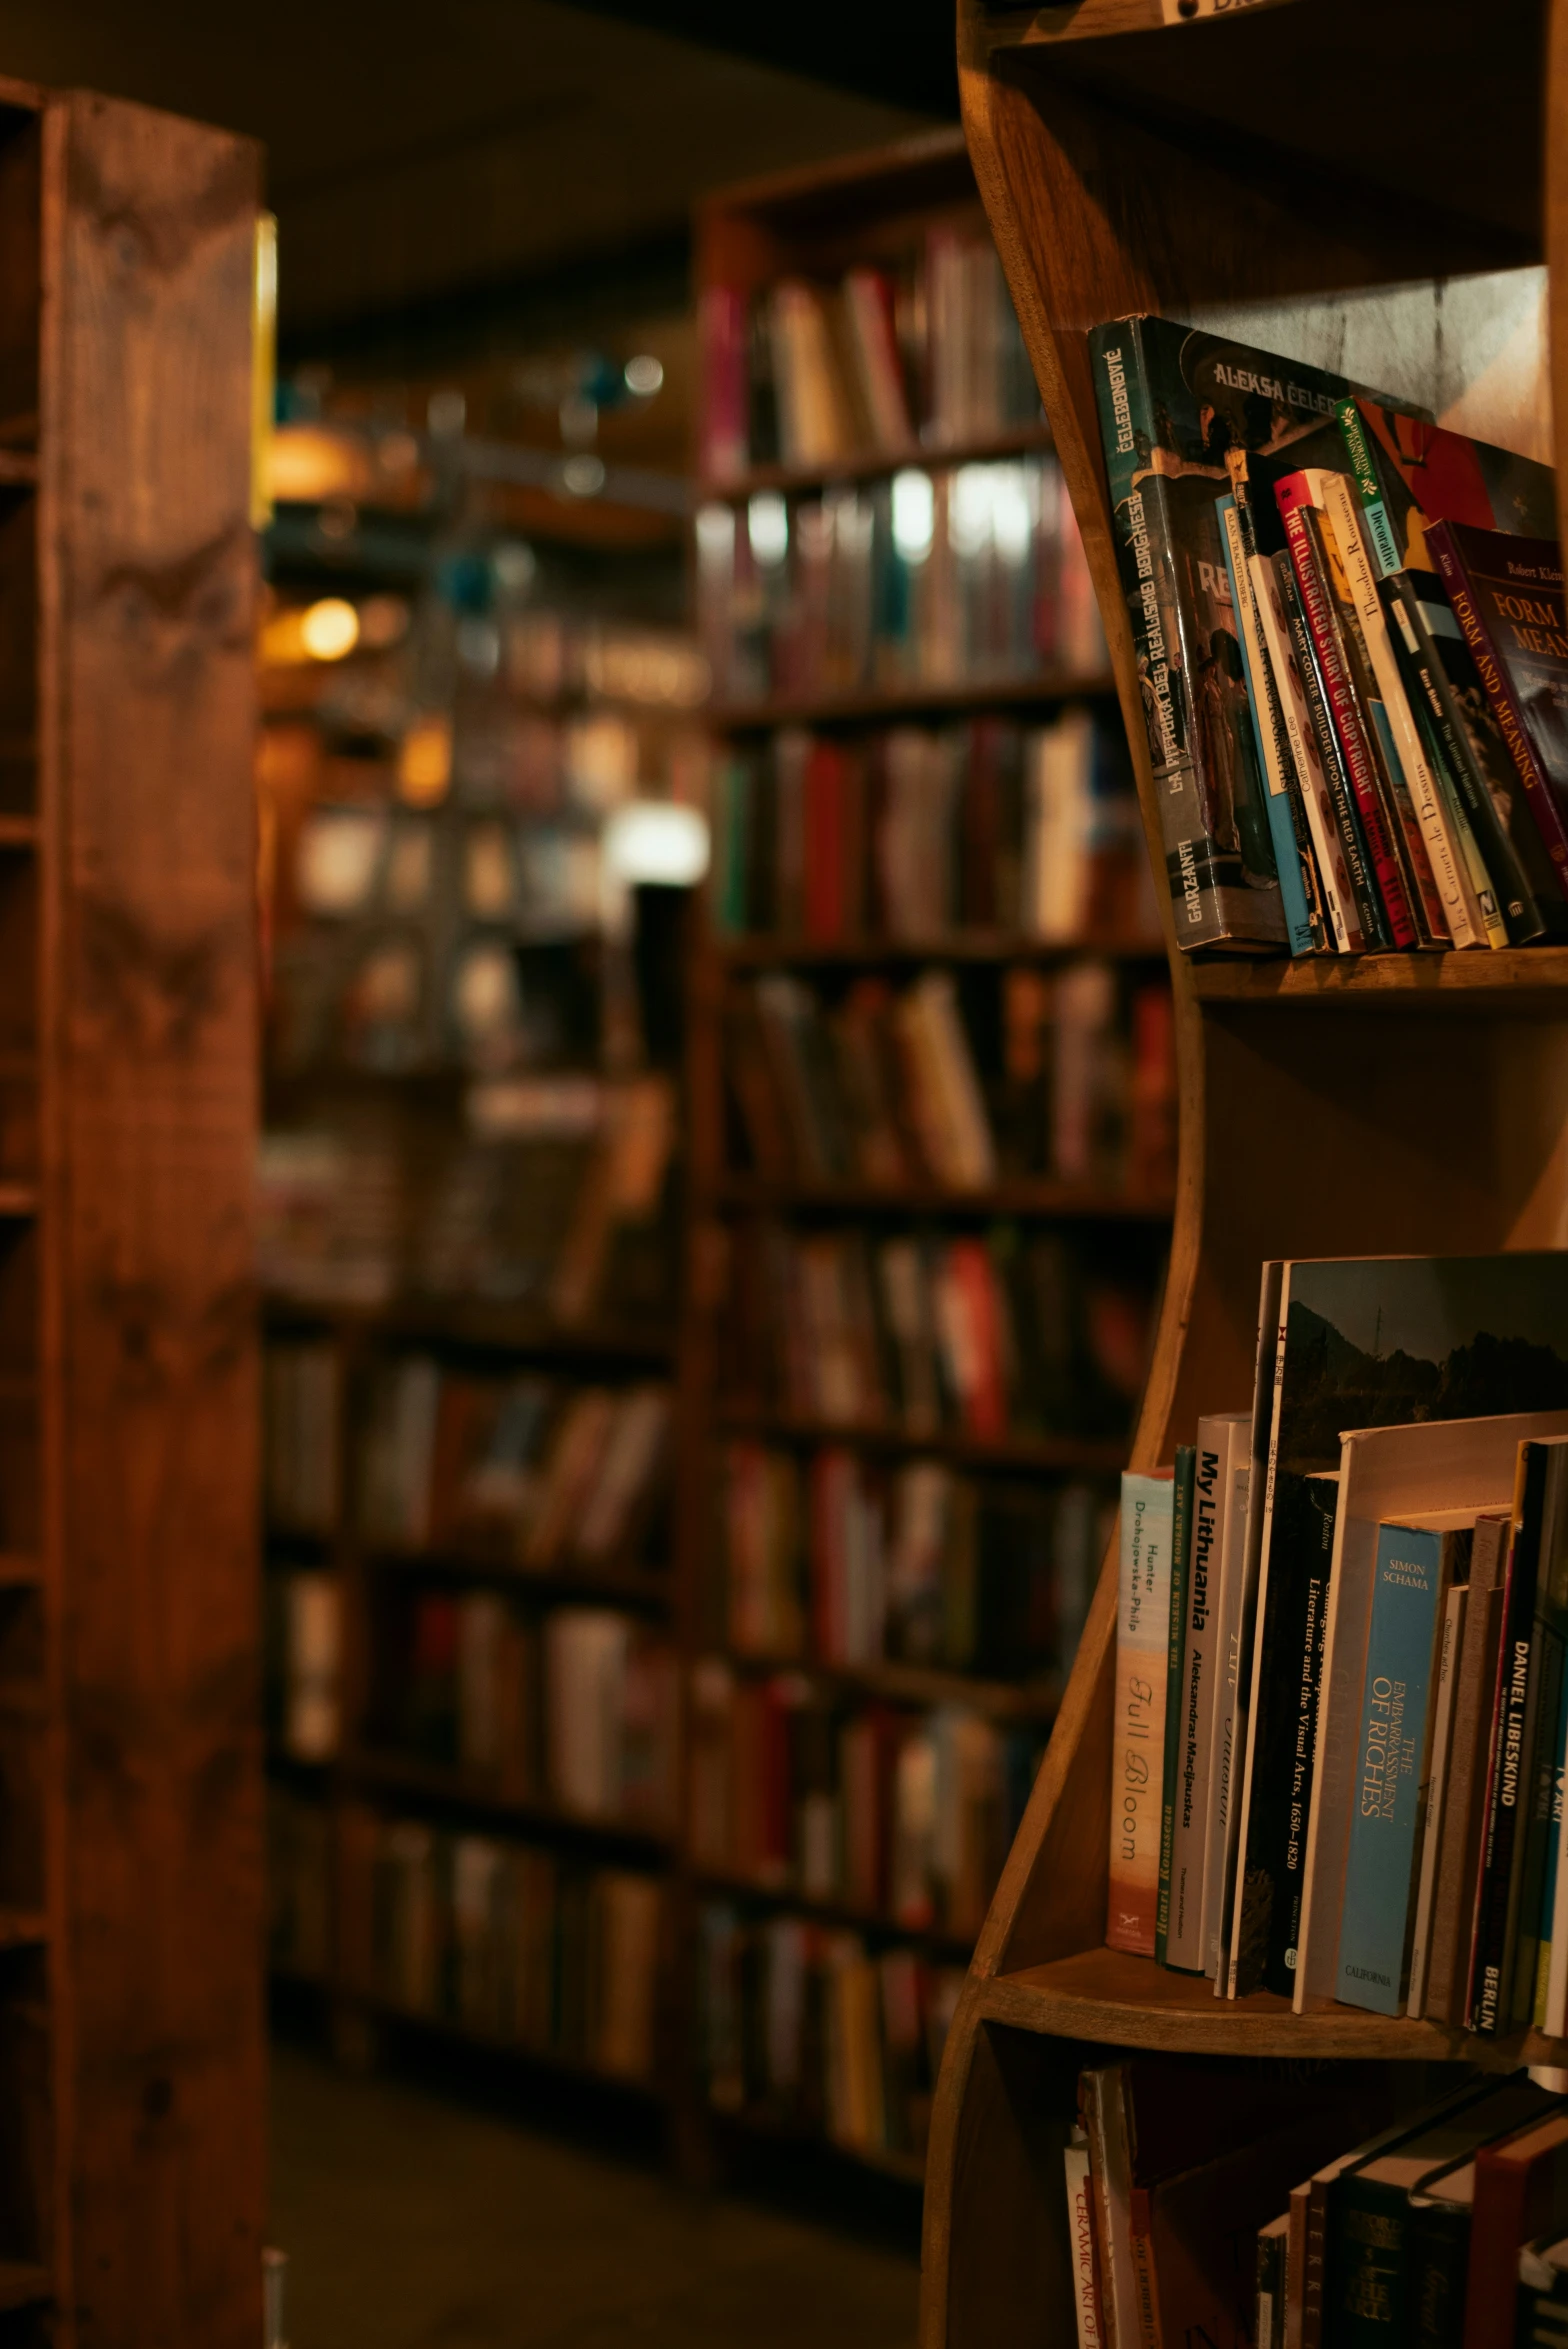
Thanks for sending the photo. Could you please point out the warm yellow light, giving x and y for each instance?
(329, 629)
(424, 763)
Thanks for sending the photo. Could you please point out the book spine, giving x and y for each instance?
(1202, 1676)
(1268, 2325)
(1380, 531)
(1268, 732)
(1431, 814)
(1368, 2257)
(1541, 1786)
(1436, 2259)
(1437, 1791)
(1175, 1710)
(1499, 2226)
(1142, 1643)
(1353, 863)
(1270, 590)
(1145, 553)
(1552, 1965)
(1080, 2238)
(1489, 1955)
(1515, 899)
(1500, 694)
(1223, 1758)
(1406, 1609)
(1348, 727)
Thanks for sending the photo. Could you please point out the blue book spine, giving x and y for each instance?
(1282, 830)
(1407, 1599)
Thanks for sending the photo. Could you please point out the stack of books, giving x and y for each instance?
(958, 1080)
(1350, 637)
(941, 576)
(925, 351)
(839, 1560)
(996, 1336)
(903, 1817)
(803, 2028)
(533, 1471)
(510, 1941)
(922, 833)
(1341, 1713)
(1373, 2222)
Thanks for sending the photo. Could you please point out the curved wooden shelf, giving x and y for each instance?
(1025, 1198)
(1027, 440)
(880, 705)
(1125, 167)
(769, 950)
(1039, 1455)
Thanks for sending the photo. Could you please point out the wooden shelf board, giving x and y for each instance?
(1529, 978)
(587, 1585)
(874, 465)
(23, 2283)
(19, 831)
(422, 1782)
(981, 946)
(1021, 1452)
(937, 1939)
(491, 1329)
(23, 1928)
(18, 1200)
(20, 1570)
(1014, 1198)
(914, 1684)
(1105, 1995)
(907, 701)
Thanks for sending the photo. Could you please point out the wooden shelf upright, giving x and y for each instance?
(131, 2054)
(1131, 163)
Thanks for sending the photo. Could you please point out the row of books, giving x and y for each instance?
(1350, 635)
(554, 1197)
(838, 1560)
(944, 576)
(899, 1815)
(959, 1079)
(926, 352)
(1340, 1700)
(916, 832)
(1256, 2207)
(1016, 1332)
(513, 1943)
(802, 2027)
(302, 1434)
(529, 1470)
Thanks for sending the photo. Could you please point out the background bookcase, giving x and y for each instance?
(131, 2082)
(1131, 164)
(874, 210)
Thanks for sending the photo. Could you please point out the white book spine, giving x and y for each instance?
(1080, 2238)
(1437, 1787)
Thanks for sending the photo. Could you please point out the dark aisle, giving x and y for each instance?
(412, 2224)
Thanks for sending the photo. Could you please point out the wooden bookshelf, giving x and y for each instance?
(132, 2184)
(819, 223)
(1131, 165)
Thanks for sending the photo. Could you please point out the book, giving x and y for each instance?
(1449, 1644)
(1363, 1341)
(1507, 595)
(1519, 2191)
(1409, 473)
(1081, 2243)
(1542, 1738)
(1541, 2303)
(1175, 1679)
(1102, 2114)
(1551, 1980)
(1138, 1719)
(1274, 599)
(1268, 2324)
(1448, 1967)
(1409, 1591)
(1304, 929)
(1219, 1554)
(1406, 1473)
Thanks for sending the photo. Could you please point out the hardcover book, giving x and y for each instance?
(1363, 1342)
(1173, 403)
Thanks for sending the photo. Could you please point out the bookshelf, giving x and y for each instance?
(131, 2056)
(1130, 164)
(871, 212)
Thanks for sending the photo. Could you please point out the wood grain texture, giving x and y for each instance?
(1430, 1115)
(148, 1050)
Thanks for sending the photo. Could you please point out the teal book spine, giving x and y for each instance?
(1407, 1599)
(1176, 1650)
(733, 860)
(1276, 800)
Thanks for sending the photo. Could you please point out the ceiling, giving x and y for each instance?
(433, 166)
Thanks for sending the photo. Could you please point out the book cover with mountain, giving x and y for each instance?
(1173, 403)
(1362, 1342)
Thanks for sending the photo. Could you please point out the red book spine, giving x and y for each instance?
(986, 1403)
(1293, 497)
(1500, 693)
(824, 844)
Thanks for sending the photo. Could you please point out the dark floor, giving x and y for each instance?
(411, 2223)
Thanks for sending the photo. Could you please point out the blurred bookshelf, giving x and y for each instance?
(931, 1138)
